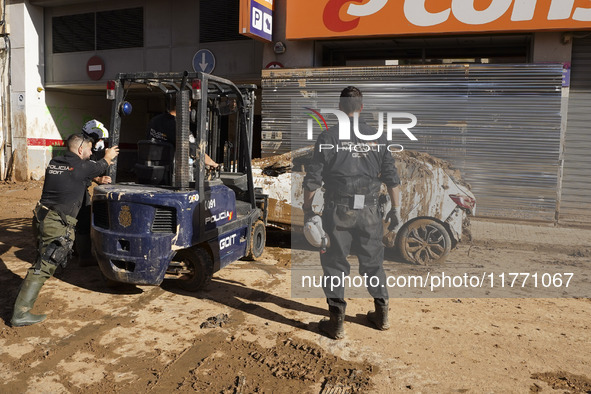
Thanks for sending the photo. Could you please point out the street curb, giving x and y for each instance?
(570, 250)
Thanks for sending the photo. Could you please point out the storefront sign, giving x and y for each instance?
(256, 19)
(351, 18)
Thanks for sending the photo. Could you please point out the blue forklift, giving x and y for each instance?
(178, 219)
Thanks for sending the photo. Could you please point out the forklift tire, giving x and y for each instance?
(258, 238)
(200, 263)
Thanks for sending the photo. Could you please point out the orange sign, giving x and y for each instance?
(358, 18)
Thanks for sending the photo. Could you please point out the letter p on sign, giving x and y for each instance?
(257, 19)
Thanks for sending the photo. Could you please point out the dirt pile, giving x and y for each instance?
(573, 384)
(292, 363)
(424, 178)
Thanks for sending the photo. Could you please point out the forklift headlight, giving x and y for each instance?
(111, 90)
(196, 89)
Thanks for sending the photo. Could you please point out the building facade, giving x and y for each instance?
(62, 53)
(505, 81)
(500, 88)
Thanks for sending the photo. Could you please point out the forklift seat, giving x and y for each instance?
(155, 162)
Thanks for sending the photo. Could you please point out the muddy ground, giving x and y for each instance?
(246, 333)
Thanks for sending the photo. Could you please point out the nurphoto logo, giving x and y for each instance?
(395, 121)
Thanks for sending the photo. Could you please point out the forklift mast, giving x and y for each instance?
(206, 92)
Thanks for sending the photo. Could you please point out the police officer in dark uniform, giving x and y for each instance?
(162, 127)
(54, 218)
(352, 172)
(97, 131)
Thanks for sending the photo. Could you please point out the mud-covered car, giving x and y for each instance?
(435, 208)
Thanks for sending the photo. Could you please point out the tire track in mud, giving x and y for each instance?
(221, 361)
(48, 357)
(201, 349)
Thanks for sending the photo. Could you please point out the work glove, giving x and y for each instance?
(315, 234)
(393, 216)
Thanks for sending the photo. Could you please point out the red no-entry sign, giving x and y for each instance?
(95, 68)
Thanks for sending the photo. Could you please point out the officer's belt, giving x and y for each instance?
(349, 201)
(42, 211)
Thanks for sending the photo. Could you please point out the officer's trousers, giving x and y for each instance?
(359, 231)
(48, 227)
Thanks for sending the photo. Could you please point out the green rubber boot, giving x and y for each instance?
(379, 317)
(25, 300)
(334, 326)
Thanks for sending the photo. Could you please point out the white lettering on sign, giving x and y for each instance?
(227, 242)
(465, 11)
(257, 19)
(417, 14)
(369, 8)
(523, 10)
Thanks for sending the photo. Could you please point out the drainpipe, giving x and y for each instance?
(6, 157)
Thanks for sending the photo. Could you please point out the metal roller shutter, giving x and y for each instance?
(575, 204)
(498, 124)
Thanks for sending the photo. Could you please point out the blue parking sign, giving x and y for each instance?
(204, 61)
(261, 21)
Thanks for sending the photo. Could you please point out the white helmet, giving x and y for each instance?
(315, 234)
(95, 130)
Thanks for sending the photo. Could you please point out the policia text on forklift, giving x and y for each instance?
(54, 218)
(351, 217)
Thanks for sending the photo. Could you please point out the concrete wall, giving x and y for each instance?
(5, 148)
(27, 101)
(42, 111)
(551, 47)
(171, 38)
(298, 54)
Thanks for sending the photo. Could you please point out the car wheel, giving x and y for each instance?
(258, 238)
(424, 241)
(197, 266)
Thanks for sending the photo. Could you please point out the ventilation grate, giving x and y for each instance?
(120, 29)
(164, 220)
(73, 33)
(114, 29)
(100, 212)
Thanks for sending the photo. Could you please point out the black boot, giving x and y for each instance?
(333, 327)
(24, 302)
(379, 317)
